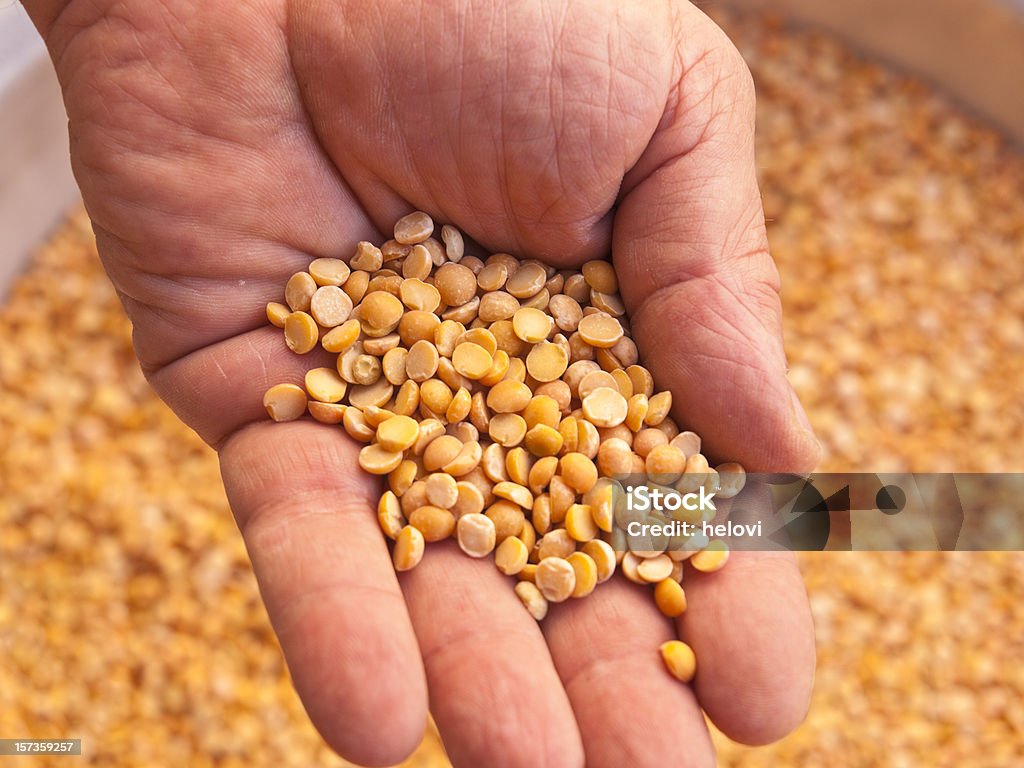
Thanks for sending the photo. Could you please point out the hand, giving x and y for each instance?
(221, 146)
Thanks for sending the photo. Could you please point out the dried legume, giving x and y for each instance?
(498, 397)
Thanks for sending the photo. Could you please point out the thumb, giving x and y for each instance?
(690, 247)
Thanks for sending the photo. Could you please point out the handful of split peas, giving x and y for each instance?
(501, 398)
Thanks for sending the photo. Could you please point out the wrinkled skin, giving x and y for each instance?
(220, 146)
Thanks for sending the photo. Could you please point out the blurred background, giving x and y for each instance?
(128, 613)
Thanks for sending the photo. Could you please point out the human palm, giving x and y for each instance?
(220, 147)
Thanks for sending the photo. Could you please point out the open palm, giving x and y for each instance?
(221, 146)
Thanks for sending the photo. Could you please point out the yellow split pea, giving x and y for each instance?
(498, 396)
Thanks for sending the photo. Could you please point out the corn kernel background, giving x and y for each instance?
(128, 613)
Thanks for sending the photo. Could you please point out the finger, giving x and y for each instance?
(175, 314)
(218, 389)
(197, 162)
(179, 309)
(304, 509)
(750, 626)
(629, 709)
(690, 246)
(494, 692)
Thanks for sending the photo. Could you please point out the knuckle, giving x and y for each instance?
(713, 72)
(737, 72)
(730, 75)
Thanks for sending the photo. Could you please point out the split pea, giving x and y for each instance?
(654, 569)
(414, 228)
(325, 385)
(670, 598)
(600, 330)
(420, 296)
(397, 433)
(471, 360)
(409, 548)
(277, 313)
(456, 283)
(285, 402)
(453, 243)
(476, 535)
(469, 499)
(327, 413)
(586, 573)
(508, 397)
(422, 361)
(547, 361)
(605, 407)
(515, 493)
(511, 556)
(381, 309)
(600, 276)
(556, 579)
(377, 460)
(434, 523)
(442, 490)
(330, 306)
(712, 558)
(531, 325)
(579, 472)
(300, 332)
(368, 257)
(389, 515)
(441, 451)
(603, 555)
(594, 380)
(341, 338)
(299, 290)
(500, 398)
(329, 271)
(507, 429)
(507, 517)
(531, 597)
(679, 660)
(418, 263)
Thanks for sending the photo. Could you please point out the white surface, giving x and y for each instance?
(36, 186)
